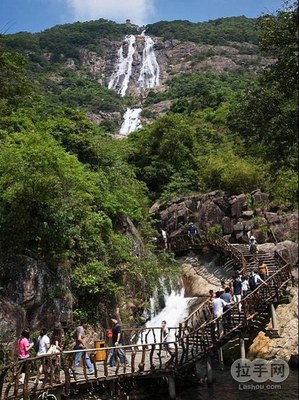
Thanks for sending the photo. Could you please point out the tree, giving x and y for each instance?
(266, 116)
(46, 197)
(13, 83)
(163, 149)
(279, 37)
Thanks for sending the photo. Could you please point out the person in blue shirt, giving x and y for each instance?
(192, 230)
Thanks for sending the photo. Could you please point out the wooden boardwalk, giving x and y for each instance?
(193, 339)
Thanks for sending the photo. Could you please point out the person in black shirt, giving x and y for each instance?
(237, 290)
(116, 334)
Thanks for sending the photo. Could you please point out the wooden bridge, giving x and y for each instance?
(194, 339)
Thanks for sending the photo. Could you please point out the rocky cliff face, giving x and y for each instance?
(36, 296)
(235, 217)
(174, 58)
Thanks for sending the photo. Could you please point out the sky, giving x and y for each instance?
(38, 15)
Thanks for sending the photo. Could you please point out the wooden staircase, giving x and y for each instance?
(198, 335)
(200, 332)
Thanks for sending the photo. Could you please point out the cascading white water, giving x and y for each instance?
(131, 121)
(150, 71)
(148, 78)
(175, 310)
(120, 78)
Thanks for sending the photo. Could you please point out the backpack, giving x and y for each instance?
(251, 282)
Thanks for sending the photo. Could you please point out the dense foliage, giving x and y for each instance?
(220, 31)
(66, 196)
(65, 41)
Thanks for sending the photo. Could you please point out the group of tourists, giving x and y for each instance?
(237, 289)
(221, 301)
(54, 344)
(43, 345)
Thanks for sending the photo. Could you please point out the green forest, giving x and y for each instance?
(67, 187)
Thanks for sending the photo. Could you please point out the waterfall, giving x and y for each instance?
(148, 78)
(131, 121)
(175, 310)
(120, 78)
(150, 70)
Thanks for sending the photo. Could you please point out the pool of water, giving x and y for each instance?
(224, 388)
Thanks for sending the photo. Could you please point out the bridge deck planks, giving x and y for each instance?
(112, 374)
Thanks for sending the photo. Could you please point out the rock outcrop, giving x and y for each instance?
(235, 217)
(196, 285)
(285, 346)
(36, 297)
(12, 317)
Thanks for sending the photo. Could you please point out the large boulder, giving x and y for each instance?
(44, 297)
(196, 285)
(227, 226)
(32, 283)
(12, 317)
(238, 204)
(209, 214)
(288, 250)
(260, 199)
(283, 227)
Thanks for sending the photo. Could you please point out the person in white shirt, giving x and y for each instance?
(245, 286)
(167, 340)
(43, 342)
(43, 347)
(217, 305)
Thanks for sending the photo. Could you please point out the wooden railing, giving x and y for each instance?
(203, 312)
(218, 330)
(223, 245)
(145, 356)
(143, 347)
(58, 372)
(182, 242)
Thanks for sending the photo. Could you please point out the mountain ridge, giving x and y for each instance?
(83, 55)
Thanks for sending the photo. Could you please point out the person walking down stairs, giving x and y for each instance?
(253, 246)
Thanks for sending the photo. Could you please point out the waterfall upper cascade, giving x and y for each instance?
(120, 78)
(131, 121)
(149, 77)
(150, 71)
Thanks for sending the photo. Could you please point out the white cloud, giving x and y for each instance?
(138, 11)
